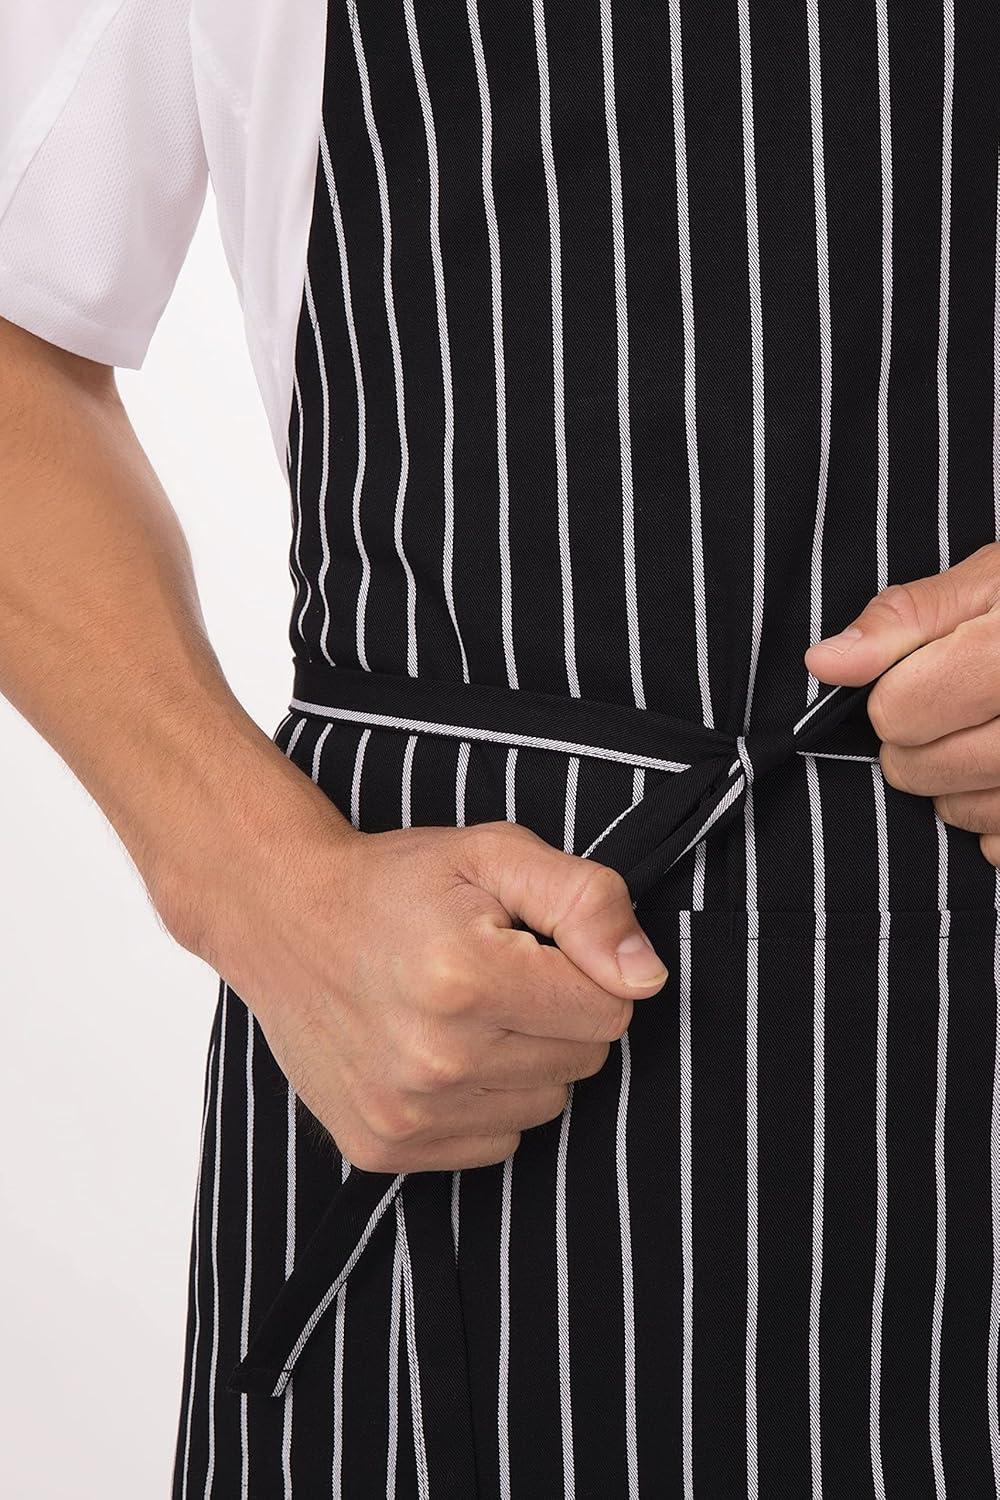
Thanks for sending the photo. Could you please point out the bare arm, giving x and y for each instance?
(102, 642)
(478, 1028)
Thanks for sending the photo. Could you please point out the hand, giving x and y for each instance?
(415, 1021)
(936, 711)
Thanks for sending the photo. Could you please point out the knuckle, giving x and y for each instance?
(595, 888)
(394, 1120)
(592, 1060)
(488, 845)
(500, 1147)
(444, 986)
(612, 1026)
(882, 712)
(975, 814)
(483, 841)
(433, 1070)
(953, 811)
(893, 769)
(981, 752)
(901, 602)
(508, 832)
(551, 1103)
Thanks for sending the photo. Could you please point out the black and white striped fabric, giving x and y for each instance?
(640, 345)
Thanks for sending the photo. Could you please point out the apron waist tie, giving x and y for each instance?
(711, 770)
(710, 774)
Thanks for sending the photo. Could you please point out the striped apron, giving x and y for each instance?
(640, 344)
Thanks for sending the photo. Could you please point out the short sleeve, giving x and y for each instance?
(102, 169)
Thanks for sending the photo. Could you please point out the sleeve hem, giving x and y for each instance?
(40, 313)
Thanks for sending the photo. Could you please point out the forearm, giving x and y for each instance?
(103, 645)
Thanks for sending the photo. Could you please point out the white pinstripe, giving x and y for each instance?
(286, 1428)
(756, 348)
(757, 372)
(993, 1342)
(940, 1274)
(686, 1061)
(569, 817)
(503, 1390)
(412, 1360)
(812, 770)
(440, 297)
(948, 7)
(753, 1240)
(506, 1195)
(339, 1351)
(625, 1234)
(213, 1355)
(690, 383)
(317, 759)
(819, 1123)
(881, 1134)
(825, 330)
(885, 141)
(359, 388)
(461, 779)
(390, 313)
(298, 573)
(562, 1254)
(392, 1439)
(882, 579)
(558, 372)
(510, 783)
(406, 795)
(687, 1208)
(290, 1161)
(562, 1305)
(621, 313)
(937, 1317)
(359, 761)
(294, 737)
(625, 1230)
(499, 362)
(196, 1288)
(324, 482)
(247, 1264)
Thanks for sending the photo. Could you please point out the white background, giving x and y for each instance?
(105, 1020)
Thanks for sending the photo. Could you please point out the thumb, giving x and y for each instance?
(905, 616)
(584, 906)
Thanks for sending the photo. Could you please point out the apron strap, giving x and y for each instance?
(349, 1224)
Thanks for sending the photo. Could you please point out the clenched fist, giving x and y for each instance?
(416, 1020)
(937, 709)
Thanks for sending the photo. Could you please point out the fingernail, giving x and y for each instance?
(638, 962)
(843, 642)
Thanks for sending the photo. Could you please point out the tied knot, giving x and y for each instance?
(764, 750)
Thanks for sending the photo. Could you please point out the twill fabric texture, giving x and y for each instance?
(640, 345)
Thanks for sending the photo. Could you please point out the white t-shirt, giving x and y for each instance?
(113, 115)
